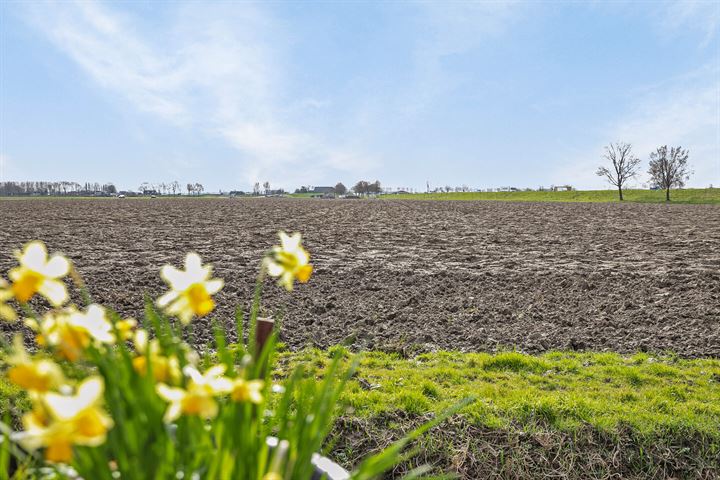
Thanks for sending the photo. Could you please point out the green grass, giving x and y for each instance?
(563, 390)
(689, 195)
(561, 414)
(636, 416)
(566, 391)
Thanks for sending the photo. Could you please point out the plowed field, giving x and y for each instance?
(414, 274)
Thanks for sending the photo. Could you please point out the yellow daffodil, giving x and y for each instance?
(199, 397)
(60, 421)
(6, 293)
(125, 328)
(35, 375)
(72, 331)
(190, 290)
(38, 274)
(247, 391)
(289, 261)
(164, 368)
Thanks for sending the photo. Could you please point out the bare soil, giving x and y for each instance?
(413, 275)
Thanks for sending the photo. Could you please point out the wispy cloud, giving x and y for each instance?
(451, 29)
(213, 69)
(679, 16)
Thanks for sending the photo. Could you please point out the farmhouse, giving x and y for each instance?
(322, 190)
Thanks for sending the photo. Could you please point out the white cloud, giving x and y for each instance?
(452, 28)
(703, 16)
(214, 69)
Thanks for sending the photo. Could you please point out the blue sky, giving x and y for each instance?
(484, 94)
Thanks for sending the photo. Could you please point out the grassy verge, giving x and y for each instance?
(562, 414)
(689, 195)
(558, 415)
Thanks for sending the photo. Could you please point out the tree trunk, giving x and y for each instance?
(667, 194)
(620, 192)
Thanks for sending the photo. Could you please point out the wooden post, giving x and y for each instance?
(264, 330)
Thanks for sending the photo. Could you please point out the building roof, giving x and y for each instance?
(323, 190)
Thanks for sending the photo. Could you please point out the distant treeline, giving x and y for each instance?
(56, 188)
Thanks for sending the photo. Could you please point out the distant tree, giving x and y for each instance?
(624, 165)
(361, 187)
(340, 189)
(256, 188)
(190, 188)
(375, 187)
(199, 188)
(669, 169)
(266, 187)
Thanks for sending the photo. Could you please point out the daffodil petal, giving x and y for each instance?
(194, 267)
(290, 242)
(34, 256)
(274, 269)
(177, 279)
(221, 385)
(90, 391)
(172, 413)
(169, 394)
(58, 266)
(167, 298)
(214, 286)
(215, 371)
(193, 373)
(7, 313)
(54, 291)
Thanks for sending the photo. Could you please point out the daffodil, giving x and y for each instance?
(125, 328)
(72, 331)
(199, 397)
(38, 274)
(289, 261)
(247, 391)
(191, 290)
(35, 375)
(6, 293)
(57, 422)
(164, 368)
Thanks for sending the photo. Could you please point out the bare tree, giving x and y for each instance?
(361, 187)
(266, 187)
(669, 169)
(340, 189)
(624, 165)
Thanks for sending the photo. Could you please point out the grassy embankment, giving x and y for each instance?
(689, 195)
(577, 415)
